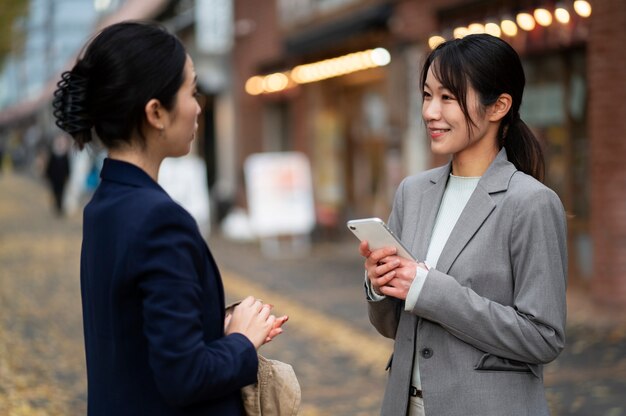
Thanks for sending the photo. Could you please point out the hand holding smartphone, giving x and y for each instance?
(378, 235)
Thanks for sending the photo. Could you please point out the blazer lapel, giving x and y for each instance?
(480, 205)
(427, 212)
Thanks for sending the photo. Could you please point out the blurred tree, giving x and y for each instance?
(10, 10)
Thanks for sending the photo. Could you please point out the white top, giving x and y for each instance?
(458, 191)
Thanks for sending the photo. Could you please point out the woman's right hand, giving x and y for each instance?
(252, 318)
(380, 265)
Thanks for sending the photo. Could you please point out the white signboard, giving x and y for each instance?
(214, 26)
(280, 194)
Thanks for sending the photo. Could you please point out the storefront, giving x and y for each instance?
(330, 99)
(363, 130)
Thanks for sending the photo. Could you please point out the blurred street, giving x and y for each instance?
(338, 357)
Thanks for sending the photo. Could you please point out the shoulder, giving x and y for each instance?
(525, 187)
(161, 208)
(531, 197)
(427, 177)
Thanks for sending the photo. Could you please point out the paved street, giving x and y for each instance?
(338, 357)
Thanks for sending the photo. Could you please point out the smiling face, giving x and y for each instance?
(183, 118)
(450, 131)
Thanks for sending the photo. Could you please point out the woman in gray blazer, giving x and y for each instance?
(477, 318)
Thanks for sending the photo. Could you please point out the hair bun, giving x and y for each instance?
(70, 106)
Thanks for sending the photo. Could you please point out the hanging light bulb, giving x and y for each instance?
(525, 21)
(475, 28)
(460, 32)
(583, 8)
(508, 27)
(254, 85)
(543, 17)
(561, 14)
(435, 41)
(493, 29)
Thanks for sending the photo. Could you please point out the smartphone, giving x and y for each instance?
(378, 235)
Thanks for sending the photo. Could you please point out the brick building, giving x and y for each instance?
(363, 132)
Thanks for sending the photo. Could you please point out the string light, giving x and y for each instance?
(543, 17)
(582, 8)
(435, 41)
(508, 27)
(493, 29)
(460, 32)
(476, 28)
(561, 14)
(318, 71)
(525, 21)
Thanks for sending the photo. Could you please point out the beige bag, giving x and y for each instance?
(276, 392)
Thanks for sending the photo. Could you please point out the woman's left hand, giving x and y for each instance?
(399, 285)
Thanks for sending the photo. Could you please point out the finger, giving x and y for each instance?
(257, 305)
(248, 301)
(387, 267)
(364, 249)
(264, 313)
(385, 279)
(381, 253)
(275, 332)
(280, 321)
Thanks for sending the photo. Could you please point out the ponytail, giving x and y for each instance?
(523, 149)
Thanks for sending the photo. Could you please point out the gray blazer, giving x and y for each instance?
(492, 311)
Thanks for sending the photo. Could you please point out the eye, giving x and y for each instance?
(448, 97)
(196, 93)
(425, 94)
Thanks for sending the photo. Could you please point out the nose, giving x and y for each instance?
(431, 109)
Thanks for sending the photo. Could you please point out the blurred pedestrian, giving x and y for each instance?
(2, 149)
(478, 316)
(157, 339)
(57, 170)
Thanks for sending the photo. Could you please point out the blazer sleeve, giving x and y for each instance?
(185, 367)
(530, 329)
(385, 314)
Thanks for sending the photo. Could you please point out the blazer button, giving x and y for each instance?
(426, 353)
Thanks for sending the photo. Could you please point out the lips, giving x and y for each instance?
(436, 132)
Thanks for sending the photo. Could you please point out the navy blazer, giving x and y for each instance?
(153, 307)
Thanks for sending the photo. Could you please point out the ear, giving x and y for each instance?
(500, 107)
(156, 115)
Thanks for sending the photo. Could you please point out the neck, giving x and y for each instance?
(141, 158)
(474, 164)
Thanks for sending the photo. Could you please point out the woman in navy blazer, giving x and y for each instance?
(156, 336)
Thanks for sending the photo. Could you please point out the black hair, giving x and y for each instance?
(122, 68)
(491, 67)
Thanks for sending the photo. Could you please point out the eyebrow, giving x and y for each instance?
(441, 87)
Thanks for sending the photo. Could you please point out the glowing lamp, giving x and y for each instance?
(583, 8)
(525, 21)
(543, 17)
(508, 27)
